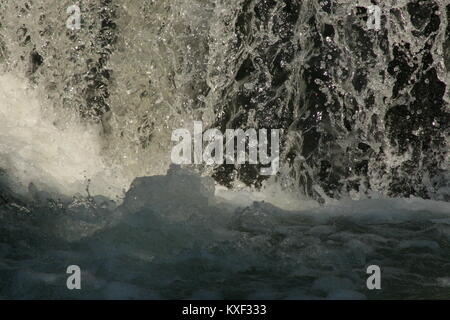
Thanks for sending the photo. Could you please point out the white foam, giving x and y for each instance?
(55, 152)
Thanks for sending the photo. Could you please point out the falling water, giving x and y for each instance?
(86, 117)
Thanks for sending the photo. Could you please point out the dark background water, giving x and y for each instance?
(361, 109)
(363, 112)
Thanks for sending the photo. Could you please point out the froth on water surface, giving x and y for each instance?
(87, 113)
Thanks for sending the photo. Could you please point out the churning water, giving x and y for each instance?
(86, 118)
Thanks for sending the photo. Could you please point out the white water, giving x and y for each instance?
(53, 150)
(59, 153)
(179, 236)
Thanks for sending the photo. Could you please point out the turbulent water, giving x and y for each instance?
(86, 118)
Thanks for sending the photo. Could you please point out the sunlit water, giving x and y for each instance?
(86, 177)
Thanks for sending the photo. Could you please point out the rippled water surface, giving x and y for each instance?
(86, 118)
